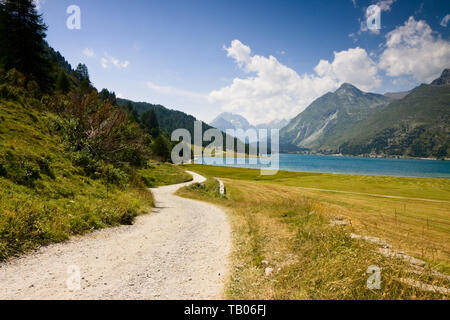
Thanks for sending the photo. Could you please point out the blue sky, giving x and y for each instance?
(262, 59)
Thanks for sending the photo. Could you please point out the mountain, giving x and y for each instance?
(396, 95)
(229, 120)
(327, 122)
(444, 79)
(417, 125)
(170, 120)
(274, 124)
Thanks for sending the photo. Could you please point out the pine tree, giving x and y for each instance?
(161, 148)
(22, 34)
(82, 72)
(62, 83)
(133, 112)
(150, 123)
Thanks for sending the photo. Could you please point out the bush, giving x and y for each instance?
(161, 148)
(85, 160)
(114, 175)
(24, 173)
(15, 78)
(24, 170)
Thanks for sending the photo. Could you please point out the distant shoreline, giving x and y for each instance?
(354, 165)
(367, 156)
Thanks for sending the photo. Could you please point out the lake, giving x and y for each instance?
(356, 165)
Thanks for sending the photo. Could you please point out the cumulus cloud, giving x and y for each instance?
(108, 60)
(445, 21)
(273, 90)
(88, 52)
(353, 66)
(413, 50)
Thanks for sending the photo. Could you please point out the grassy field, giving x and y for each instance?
(280, 225)
(158, 174)
(44, 198)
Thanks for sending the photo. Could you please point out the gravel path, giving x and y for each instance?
(179, 251)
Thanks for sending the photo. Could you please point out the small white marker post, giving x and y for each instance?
(221, 187)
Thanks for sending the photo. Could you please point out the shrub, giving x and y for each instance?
(114, 175)
(15, 78)
(23, 172)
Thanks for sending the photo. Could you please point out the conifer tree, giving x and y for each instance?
(22, 34)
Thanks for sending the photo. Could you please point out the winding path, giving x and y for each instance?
(180, 251)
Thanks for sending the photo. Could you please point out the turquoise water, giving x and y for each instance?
(356, 165)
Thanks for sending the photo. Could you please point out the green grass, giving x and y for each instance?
(428, 188)
(159, 174)
(44, 198)
(275, 221)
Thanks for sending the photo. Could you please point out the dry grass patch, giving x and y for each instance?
(284, 229)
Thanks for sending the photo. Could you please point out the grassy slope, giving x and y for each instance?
(289, 227)
(43, 197)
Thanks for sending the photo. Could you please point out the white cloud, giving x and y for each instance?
(353, 66)
(385, 5)
(445, 21)
(88, 52)
(413, 50)
(353, 37)
(108, 60)
(168, 90)
(274, 91)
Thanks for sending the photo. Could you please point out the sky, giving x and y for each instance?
(262, 59)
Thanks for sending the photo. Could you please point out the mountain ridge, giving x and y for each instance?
(352, 122)
(325, 121)
(228, 120)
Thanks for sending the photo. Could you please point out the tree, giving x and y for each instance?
(22, 34)
(82, 72)
(150, 123)
(161, 148)
(108, 96)
(133, 112)
(62, 83)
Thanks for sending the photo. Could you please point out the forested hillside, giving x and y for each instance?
(170, 120)
(416, 126)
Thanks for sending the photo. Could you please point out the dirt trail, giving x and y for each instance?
(179, 251)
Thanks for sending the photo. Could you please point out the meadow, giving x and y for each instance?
(281, 226)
